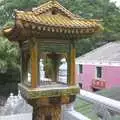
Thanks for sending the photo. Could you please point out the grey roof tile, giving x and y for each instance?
(109, 52)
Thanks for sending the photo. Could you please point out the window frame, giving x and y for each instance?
(101, 73)
(80, 68)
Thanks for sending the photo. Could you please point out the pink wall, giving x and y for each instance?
(87, 76)
(111, 74)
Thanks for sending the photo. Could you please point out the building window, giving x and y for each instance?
(99, 72)
(80, 85)
(80, 68)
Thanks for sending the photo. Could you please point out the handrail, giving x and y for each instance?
(110, 104)
(73, 115)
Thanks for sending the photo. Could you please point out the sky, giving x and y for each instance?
(117, 2)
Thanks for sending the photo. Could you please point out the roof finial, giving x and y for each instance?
(53, 1)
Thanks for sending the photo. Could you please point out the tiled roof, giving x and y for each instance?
(50, 17)
(109, 52)
(49, 5)
(57, 21)
(62, 21)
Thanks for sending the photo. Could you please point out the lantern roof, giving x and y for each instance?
(50, 17)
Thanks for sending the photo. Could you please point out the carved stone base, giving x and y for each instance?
(47, 102)
(52, 112)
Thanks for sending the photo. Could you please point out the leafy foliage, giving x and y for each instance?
(8, 55)
(102, 10)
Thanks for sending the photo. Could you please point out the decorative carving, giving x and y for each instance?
(38, 92)
(55, 100)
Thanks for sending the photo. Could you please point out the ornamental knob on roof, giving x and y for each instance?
(50, 18)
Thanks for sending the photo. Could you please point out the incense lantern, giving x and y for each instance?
(48, 33)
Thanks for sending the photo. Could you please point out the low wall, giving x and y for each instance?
(70, 114)
(27, 116)
(67, 115)
(110, 104)
(73, 115)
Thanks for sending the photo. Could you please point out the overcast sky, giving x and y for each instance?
(117, 2)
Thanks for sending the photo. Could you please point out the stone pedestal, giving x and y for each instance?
(51, 112)
(47, 102)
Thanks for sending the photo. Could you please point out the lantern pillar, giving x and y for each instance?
(34, 65)
(71, 63)
(51, 112)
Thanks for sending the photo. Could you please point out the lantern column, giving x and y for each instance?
(71, 63)
(35, 65)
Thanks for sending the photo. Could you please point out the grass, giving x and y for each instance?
(85, 108)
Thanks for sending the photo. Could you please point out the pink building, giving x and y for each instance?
(99, 68)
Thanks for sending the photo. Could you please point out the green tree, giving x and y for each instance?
(103, 10)
(8, 55)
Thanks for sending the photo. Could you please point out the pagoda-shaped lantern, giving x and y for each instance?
(46, 35)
